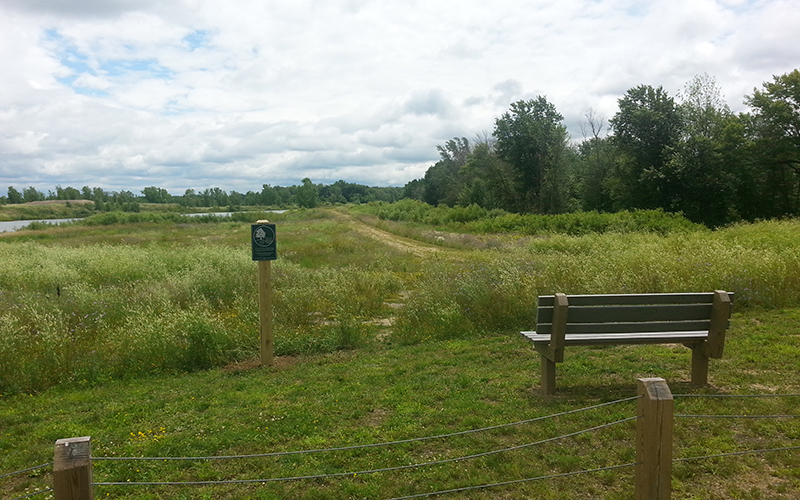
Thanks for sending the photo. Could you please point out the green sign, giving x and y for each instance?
(263, 241)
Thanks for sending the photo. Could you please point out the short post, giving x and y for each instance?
(264, 251)
(699, 365)
(265, 311)
(654, 440)
(72, 469)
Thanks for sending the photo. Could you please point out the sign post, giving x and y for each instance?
(262, 237)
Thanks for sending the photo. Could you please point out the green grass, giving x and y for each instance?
(144, 336)
(384, 393)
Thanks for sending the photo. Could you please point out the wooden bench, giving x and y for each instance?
(697, 320)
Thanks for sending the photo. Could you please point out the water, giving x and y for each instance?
(14, 225)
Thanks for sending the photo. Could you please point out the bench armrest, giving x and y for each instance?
(720, 315)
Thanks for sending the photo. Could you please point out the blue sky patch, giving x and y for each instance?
(197, 39)
(80, 63)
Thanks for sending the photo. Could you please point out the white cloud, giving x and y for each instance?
(198, 93)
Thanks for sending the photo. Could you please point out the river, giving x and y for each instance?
(15, 225)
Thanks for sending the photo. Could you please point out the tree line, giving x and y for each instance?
(306, 195)
(688, 154)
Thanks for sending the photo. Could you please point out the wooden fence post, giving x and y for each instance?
(72, 469)
(265, 312)
(654, 440)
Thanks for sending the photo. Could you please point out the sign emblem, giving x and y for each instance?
(264, 247)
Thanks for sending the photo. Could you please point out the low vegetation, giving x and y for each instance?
(143, 332)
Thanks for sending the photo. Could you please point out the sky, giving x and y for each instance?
(194, 94)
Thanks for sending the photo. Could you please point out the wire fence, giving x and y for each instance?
(372, 471)
(35, 493)
(377, 445)
(447, 460)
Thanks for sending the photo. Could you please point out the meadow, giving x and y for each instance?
(142, 331)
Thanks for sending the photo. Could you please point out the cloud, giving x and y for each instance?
(202, 93)
(78, 8)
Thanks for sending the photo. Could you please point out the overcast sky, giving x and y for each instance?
(125, 94)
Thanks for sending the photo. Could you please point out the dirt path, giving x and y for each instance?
(397, 242)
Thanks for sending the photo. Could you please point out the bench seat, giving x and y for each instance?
(622, 338)
(696, 320)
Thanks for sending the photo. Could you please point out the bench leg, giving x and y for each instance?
(548, 376)
(699, 366)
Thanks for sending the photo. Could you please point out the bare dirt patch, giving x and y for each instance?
(397, 242)
(279, 363)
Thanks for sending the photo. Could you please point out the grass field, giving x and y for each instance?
(144, 336)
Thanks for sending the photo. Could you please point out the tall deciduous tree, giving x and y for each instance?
(775, 127)
(442, 180)
(596, 165)
(646, 128)
(14, 196)
(533, 140)
(703, 170)
(488, 180)
(154, 194)
(32, 194)
(307, 195)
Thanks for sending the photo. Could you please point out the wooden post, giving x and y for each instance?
(720, 315)
(264, 252)
(699, 365)
(654, 440)
(72, 469)
(554, 353)
(560, 309)
(265, 311)
(548, 376)
(265, 308)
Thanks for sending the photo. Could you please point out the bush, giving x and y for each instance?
(476, 219)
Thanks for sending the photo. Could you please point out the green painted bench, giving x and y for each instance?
(697, 320)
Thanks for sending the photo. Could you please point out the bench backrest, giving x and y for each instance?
(635, 313)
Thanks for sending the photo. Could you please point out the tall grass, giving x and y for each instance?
(497, 289)
(479, 220)
(82, 314)
(89, 313)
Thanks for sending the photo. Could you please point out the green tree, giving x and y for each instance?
(533, 141)
(414, 189)
(98, 194)
(775, 128)
(307, 195)
(646, 128)
(189, 199)
(154, 194)
(14, 196)
(442, 180)
(489, 181)
(703, 170)
(31, 194)
(595, 168)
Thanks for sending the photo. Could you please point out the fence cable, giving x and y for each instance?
(48, 490)
(737, 416)
(374, 445)
(736, 395)
(364, 472)
(736, 453)
(516, 481)
(25, 470)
